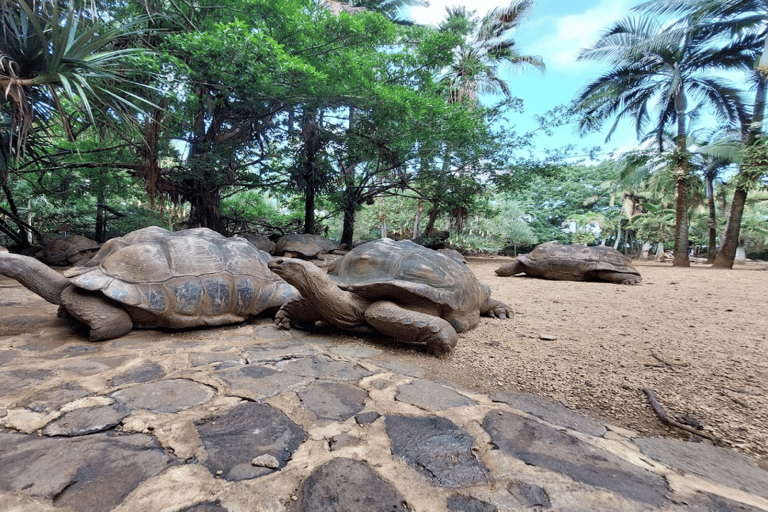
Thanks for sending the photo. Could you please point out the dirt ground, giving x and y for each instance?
(696, 336)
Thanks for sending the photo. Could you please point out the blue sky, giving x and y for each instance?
(556, 30)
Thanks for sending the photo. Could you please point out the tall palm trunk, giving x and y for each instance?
(712, 247)
(727, 252)
(680, 252)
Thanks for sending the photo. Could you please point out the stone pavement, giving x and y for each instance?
(249, 418)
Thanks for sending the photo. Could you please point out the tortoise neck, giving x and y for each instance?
(340, 307)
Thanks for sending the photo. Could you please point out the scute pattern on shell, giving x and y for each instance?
(185, 278)
(304, 244)
(68, 250)
(387, 268)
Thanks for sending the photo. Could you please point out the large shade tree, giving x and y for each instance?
(655, 69)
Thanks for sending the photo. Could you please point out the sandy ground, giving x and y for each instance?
(696, 336)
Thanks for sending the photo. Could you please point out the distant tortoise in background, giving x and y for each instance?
(576, 262)
(303, 246)
(157, 278)
(68, 250)
(261, 242)
(400, 289)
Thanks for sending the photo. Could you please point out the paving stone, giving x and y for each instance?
(6, 356)
(412, 370)
(366, 418)
(257, 382)
(459, 503)
(145, 372)
(41, 344)
(246, 431)
(437, 448)
(52, 399)
(14, 380)
(431, 396)
(323, 367)
(720, 465)
(87, 420)
(89, 473)
(342, 441)
(209, 506)
(278, 351)
(543, 446)
(3, 412)
(550, 411)
(333, 400)
(343, 485)
(532, 496)
(355, 351)
(91, 365)
(165, 395)
(73, 351)
(202, 358)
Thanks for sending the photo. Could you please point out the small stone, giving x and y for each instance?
(265, 461)
(547, 337)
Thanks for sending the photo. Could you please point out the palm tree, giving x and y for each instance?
(654, 71)
(746, 19)
(477, 62)
(46, 53)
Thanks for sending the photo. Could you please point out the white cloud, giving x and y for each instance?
(573, 32)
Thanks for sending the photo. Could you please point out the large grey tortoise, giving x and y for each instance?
(576, 262)
(68, 250)
(398, 288)
(157, 278)
(303, 246)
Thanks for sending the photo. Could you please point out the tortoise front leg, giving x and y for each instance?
(404, 324)
(618, 277)
(297, 312)
(497, 309)
(106, 318)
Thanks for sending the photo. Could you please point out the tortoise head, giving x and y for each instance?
(301, 274)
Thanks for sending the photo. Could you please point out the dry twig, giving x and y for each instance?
(661, 413)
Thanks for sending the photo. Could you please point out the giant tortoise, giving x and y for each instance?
(157, 278)
(576, 262)
(398, 288)
(68, 250)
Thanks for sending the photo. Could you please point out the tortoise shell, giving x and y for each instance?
(304, 245)
(68, 250)
(577, 260)
(183, 279)
(408, 272)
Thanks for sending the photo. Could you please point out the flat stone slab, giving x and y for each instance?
(278, 351)
(409, 369)
(343, 485)
(431, 396)
(88, 474)
(720, 465)
(437, 448)
(324, 367)
(355, 351)
(246, 431)
(337, 401)
(13, 380)
(145, 372)
(87, 420)
(54, 398)
(541, 445)
(459, 503)
(257, 382)
(164, 396)
(550, 411)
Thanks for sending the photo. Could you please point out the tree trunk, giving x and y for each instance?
(431, 219)
(712, 245)
(727, 252)
(383, 225)
(100, 229)
(646, 249)
(659, 250)
(680, 252)
(417, 222)
(348, 231)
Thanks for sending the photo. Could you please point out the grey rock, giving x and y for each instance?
(246, 431)
(720, 465)
(89, 473)
(366, 418)
(13, 380)
(550, 411)
(333, 400)
(208, 506)
(344, 485)
(87, 420)
(52, 399)
(437, 448)
(91, 366)
(266, 461)
(278, 351)
(342, 441)
(530, 495)
(412, 370)
(431, 396)
(459, 503)
(73, 351)
(145, 372)
(323, 367)
(6, 356)
(543, 446)
(3, 412)
(201, 359)
(257, 382)
(165, 395)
